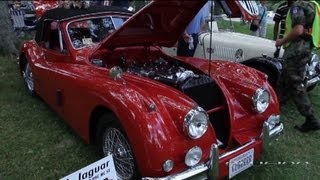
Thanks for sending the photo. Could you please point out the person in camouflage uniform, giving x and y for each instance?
(296, 56)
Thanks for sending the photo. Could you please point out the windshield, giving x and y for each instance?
(86, 32)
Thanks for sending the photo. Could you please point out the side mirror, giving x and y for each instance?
(115, 73)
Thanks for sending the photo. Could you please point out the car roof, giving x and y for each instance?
(63, 14)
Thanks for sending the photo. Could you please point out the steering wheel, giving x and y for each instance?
(77, 43)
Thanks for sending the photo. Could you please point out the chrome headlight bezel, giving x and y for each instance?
(196, 123)
(261, 100)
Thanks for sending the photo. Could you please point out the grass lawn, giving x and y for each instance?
(36, 144)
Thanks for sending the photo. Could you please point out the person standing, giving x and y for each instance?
(121, 3)
(301, 35)
(280, 19)
(188, 42)
(262, 28)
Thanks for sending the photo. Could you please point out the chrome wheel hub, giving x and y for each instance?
(115, 143)
(28, 77)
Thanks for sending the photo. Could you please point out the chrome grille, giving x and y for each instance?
(250, 7)
(225, 53)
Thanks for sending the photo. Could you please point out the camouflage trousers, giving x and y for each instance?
(293, 84)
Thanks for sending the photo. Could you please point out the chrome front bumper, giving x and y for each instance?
(211, 168)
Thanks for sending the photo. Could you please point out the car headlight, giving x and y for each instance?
(261, 100)
(193, 156)
(196, 122)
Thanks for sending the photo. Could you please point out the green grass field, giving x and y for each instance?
(36, 144)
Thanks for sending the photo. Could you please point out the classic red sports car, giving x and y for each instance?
(102, 70)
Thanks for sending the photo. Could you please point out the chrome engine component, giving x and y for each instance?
(168, 73)
(198, 86)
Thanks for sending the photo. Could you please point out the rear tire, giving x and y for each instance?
(112, 140)
(28, 77)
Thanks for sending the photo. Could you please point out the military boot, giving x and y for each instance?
(311, 124)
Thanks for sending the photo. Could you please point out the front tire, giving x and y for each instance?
(272, 79)
(112, 140)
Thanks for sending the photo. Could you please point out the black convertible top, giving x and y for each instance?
(61, 14)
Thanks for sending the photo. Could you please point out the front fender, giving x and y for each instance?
(270, 66)
(153, 133)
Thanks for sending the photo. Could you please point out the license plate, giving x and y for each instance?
(241, 163)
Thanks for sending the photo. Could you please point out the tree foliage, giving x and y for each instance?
(7, 35)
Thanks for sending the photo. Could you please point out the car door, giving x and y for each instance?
(56, 56)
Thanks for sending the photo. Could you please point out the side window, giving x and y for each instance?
(118, 21)
(90, 31)
(52, 36)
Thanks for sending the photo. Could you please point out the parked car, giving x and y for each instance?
(253, 51)
(104, 72)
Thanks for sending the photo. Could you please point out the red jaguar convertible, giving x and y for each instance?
(102, 69)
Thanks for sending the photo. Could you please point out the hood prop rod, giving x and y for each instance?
(210, 41)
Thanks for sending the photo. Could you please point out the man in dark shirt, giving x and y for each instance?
(121, 3)
(280, 18)
(298, 44)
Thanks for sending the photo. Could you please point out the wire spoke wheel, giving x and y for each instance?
(116, 144)
(28, 77)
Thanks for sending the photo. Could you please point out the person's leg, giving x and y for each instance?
(257, 32)
(294, 80)
(195, 43)
(263, 30)
(183, 48)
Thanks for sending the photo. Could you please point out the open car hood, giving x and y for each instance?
(160, 23)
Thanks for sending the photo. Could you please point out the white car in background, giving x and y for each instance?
(249, 50)
(270, 14)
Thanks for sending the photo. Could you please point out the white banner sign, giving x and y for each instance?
(100, 170)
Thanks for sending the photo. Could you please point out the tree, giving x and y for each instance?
(8, 40)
